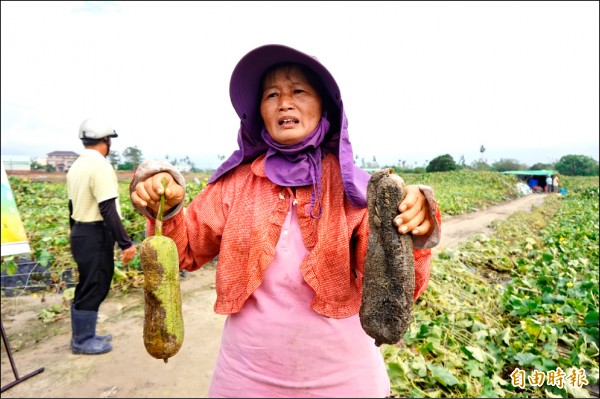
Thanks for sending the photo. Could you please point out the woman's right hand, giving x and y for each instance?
(147, 193)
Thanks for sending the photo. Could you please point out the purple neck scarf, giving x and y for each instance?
(298, 164)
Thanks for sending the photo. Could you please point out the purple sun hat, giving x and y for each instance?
(245, 91)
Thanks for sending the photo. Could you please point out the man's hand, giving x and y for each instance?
(128, 254)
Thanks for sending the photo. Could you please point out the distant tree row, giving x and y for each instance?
(129, 159)
(133, 157)
(568, 165)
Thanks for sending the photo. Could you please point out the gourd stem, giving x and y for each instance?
(161, 210)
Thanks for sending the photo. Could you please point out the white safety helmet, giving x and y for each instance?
(95, 129)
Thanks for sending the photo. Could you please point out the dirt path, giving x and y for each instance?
(460, 228)
(128, 371)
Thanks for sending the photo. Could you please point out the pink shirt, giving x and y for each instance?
(277, 346)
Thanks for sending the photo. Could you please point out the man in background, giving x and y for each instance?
(95, 221)
(548, 186)
(555, 183)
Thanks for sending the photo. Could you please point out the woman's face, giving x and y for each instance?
(290, 106)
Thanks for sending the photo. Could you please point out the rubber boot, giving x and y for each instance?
(105, 338)
(84, 341)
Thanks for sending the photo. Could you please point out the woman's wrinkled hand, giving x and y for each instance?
(147, 193)
(414, 213)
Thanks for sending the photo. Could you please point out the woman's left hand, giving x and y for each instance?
(414, 213)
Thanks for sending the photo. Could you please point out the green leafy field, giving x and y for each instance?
(500, 310)
(512, 314)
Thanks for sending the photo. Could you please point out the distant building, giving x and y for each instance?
(16, 162)
(62, 160)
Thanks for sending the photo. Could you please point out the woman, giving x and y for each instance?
(286, 214)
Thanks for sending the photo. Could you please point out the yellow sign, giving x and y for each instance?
(14, 237)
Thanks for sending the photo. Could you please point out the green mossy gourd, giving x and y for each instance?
(163, 319)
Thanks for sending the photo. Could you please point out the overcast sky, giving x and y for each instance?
(418, 79)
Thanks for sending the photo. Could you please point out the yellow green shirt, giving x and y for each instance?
(91, 180)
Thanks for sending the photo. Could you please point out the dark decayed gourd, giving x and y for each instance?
(389, 279)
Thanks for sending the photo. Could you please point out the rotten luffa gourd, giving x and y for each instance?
(163, 319)
(389, 279)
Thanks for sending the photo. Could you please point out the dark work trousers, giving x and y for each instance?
(92, 246)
